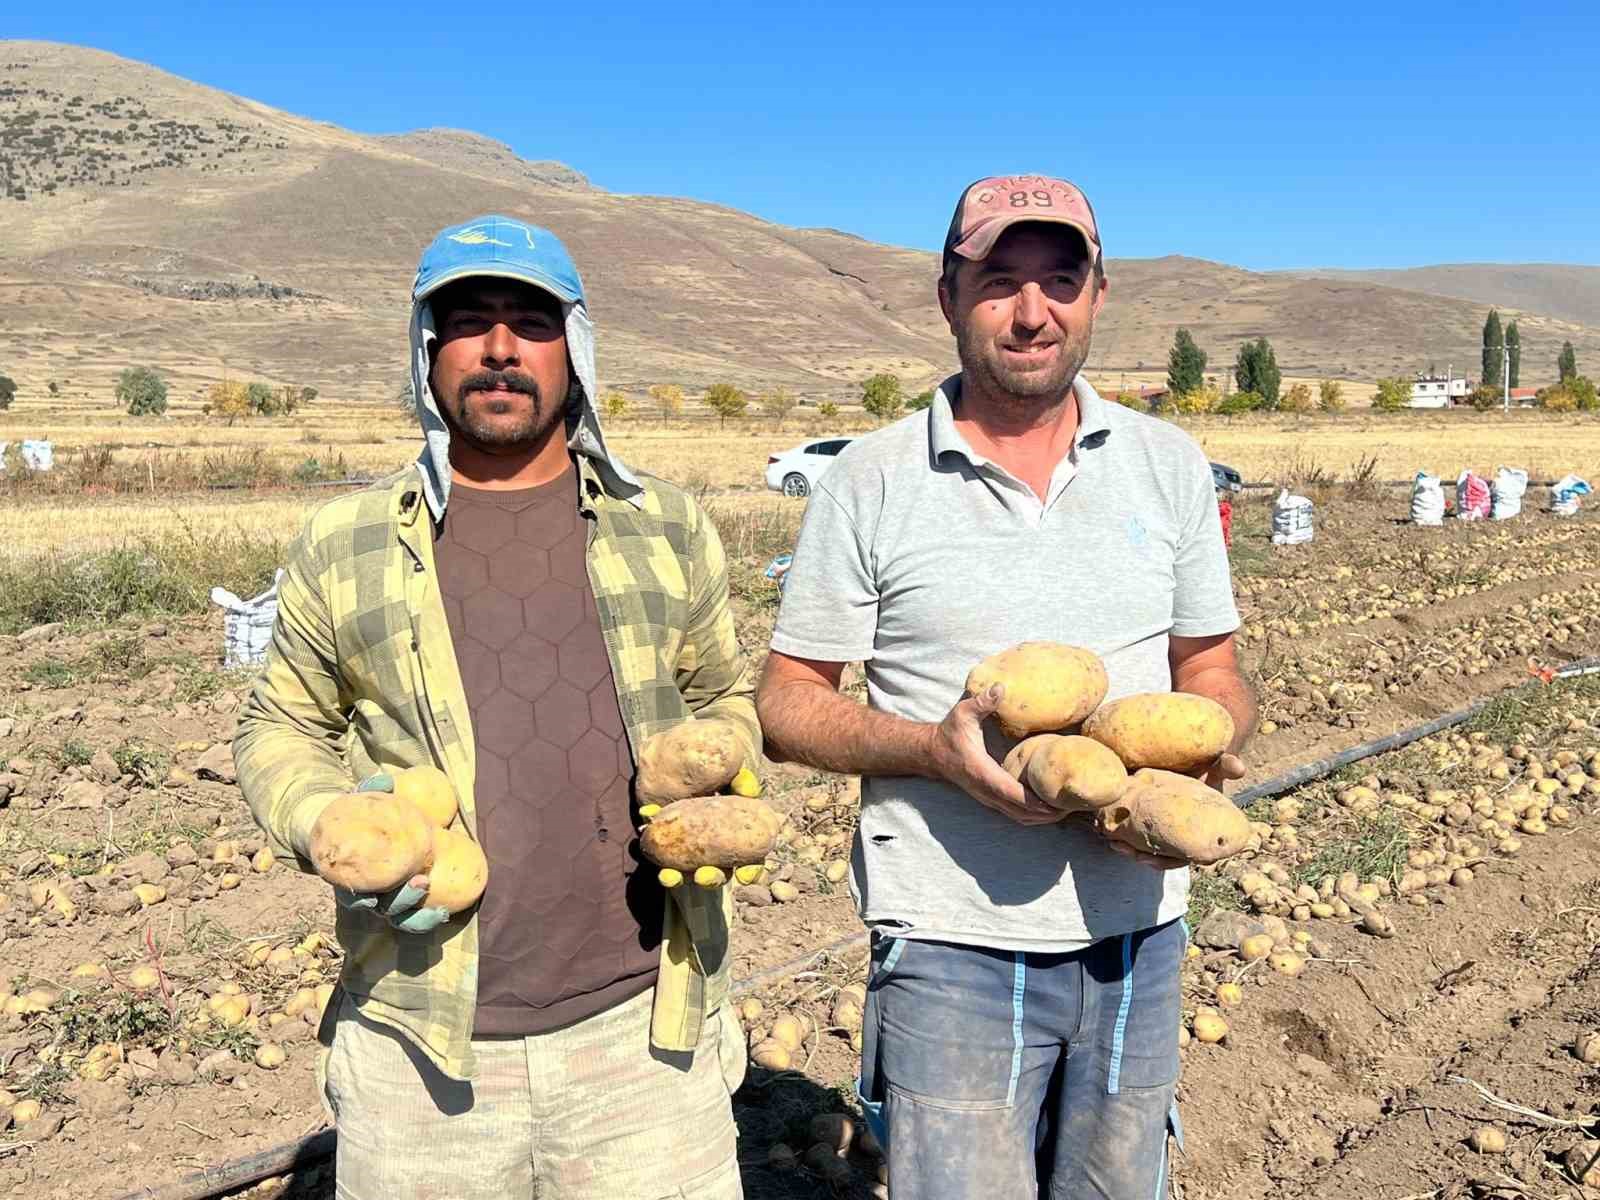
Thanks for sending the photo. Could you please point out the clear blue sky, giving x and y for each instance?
(1357, 135)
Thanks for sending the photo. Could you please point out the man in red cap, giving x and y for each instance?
(1021, 1026)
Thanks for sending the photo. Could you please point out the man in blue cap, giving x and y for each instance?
(523, 612)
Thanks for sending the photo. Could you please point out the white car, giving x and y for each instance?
(795, 472)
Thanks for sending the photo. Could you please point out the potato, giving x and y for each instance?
(430, 790)
(458, 874)
(848, 1007)
(1230, 995)
(1048, 687)
(1175, 816)
(25, 1111)
(1209, 1027)
(1254, 946)
(774, 1056)
(694, 758)
(1587, 1047)
(788, 1032)
(144, 978)
(270, 1056)
(1068, 772)
(1486, 1139)
(366, 842)
(1171, 731)
(716, 831)
(833, 1130)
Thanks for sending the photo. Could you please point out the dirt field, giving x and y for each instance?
(1337, 1082)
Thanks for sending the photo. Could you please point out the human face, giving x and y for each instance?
(1023, 317)
(500, 370)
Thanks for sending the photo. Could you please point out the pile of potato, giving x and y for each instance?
(374, 841)
(1076, 753)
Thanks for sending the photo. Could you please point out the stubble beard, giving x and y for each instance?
(478, 415)
(982, 365)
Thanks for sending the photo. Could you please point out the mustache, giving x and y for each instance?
(515, 381)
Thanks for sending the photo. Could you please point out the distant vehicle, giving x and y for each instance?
(795, 472)
(1226, 478)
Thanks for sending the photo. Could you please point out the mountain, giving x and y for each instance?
(1568, 292)
(145, 218)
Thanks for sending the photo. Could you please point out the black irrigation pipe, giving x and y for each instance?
(1307, 772)
(1268, 485)
(317, 1148)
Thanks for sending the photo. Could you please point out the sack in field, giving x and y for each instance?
(247, 624)
(1565, 495)
(1427, 500)
(1472, 496)
(1509, 485)
(1291, 520)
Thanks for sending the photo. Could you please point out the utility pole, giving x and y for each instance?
(1505, 374)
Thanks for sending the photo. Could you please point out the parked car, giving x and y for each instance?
(795, 472)
(1226, 478)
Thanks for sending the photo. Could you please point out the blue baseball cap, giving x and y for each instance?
(501, 247)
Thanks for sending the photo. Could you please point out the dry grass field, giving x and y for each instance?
(120, 478)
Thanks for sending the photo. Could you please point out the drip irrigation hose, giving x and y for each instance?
(318, 1147)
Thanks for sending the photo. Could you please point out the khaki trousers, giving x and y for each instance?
(588, 1112)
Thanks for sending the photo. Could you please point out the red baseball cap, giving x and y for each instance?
(990, 206)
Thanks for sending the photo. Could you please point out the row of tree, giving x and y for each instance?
(1255, 371)
(1502, 355)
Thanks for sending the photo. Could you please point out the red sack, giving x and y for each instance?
(1225, 511)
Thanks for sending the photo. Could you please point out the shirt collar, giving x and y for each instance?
(1093, 420)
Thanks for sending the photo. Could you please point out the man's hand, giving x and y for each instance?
(958, 756)
(1227, 768)
(399, 906)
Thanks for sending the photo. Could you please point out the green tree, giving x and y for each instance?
(827, 410)
(261, 400)
(1494, 341)
(307, 395)
(54, 387)
(778, 404)
(881, 396)
(726, 401)
(1392, 395)
(1566, 362)
(1513, 355)
(1256, 370)
(8, 391)
(1186, 365)
(924, 400)
(1330, 396)
(614, 404)
(1583, 391)
(141, 391)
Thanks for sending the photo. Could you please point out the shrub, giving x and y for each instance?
(1203, 399)
(881, 396)
(1485, 396)
(141, 391)
(778, 404)
(261, 399)
(827, 410)
(614, 404)
(726, 401)
(1330, 396)
(1298, 399)
(1132, 400)
(8, 391)
(54, 388)
(1583, 391)
(1239, 402)
(924, 400)
(1558, 398)
(1392, 395)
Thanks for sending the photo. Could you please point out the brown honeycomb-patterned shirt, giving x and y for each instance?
(570, 924)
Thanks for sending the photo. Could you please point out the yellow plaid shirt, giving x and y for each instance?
(361, 677)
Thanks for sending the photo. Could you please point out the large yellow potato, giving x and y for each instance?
(1175, 816)
(711, 831)
(1049, 687)
(429, 789)
(458, 874)
(1068, 772)
(1171, 731)
(368, 842)
(694, 758)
